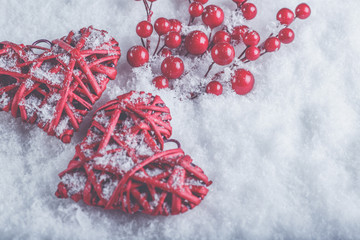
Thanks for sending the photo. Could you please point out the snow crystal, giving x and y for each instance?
(62, 126)
(100, 77)
(109, 188)
(101, 118)
(138, 143)
(29, 83)
(153, 172)
(193, 182)
(43, 72)
(75, 182)
(8, 62)
(64, 58)
(4, 100)
(31, 104)
(96, 39)
(118, 160)
(46, 112)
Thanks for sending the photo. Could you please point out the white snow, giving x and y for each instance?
(284, 159)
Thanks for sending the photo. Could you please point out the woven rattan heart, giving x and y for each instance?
(58, 86)
(121, 163)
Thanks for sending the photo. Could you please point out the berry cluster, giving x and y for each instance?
(189, 42)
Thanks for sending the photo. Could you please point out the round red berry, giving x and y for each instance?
(252, 53)
(137, 56)
(175, 25)
(242, 81)
(239, 32)
(196, 42)
(286, 35)
(249, 11)
(162, 26)
(272, 44)
(285, 16)
(152, 0)
(303, 11)
(196, 9)
(173, 40)
(160, 82)
(144, 29)
(172, 67)
(214, 87)
(213, 16)
(165, 52)
(223, 53)
(251, 38)
(221, 36)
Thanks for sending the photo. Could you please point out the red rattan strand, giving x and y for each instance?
(79, 88)
(179, 185)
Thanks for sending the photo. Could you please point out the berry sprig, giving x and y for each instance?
(208, 38)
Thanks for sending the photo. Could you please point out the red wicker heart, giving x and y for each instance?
(121, 163)
(56, 88)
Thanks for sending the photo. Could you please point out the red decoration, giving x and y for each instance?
(172, 67)
(56, 88)
(196, 42)
(285, 16)
(201, 44)
(137, 56)
(121, 163)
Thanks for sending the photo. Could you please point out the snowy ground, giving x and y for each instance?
(284, 159)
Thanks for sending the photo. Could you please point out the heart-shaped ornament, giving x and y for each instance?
(58, 86)
(122, 164)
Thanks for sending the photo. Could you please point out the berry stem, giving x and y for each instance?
(149, 14)
(157, 46)
(160, 49)
(210, 67)
(242, 54)
(142, 41)
(191, 20)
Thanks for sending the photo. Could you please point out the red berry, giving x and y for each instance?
(172, 67)
(272, 44)
(251, 38)
(144, 29)
(239, 32)
(165, 52)
(213, 16)
(196, 9)
(160, 82)
(214, 87)
(196, 42)
(201, 1)
(285, 16)
(242, 81)
(303, 11)
(249, 11)
(175, 25)
(137, 56)
(152, 0)
(173, 40)
(286, 35)
(221, 36)
(252, 53)
(223, 53)
(162, 26)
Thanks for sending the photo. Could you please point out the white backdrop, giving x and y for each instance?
(284, 159)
